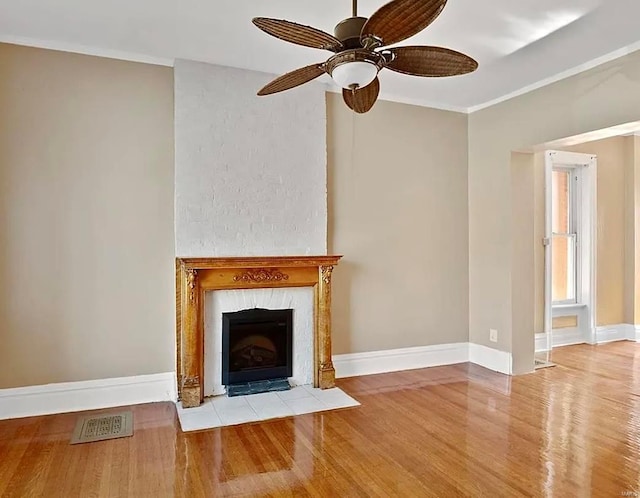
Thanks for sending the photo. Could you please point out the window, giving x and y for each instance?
(564, 236)
(570, 241)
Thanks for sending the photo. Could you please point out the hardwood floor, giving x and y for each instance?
(570, 430)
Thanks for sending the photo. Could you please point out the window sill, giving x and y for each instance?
(559, 310)
(568, 306)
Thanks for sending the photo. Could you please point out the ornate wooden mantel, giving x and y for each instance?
(195, 276)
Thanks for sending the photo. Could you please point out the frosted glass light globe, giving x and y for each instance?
(354, 74)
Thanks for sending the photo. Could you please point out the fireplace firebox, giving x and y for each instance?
(257, 344)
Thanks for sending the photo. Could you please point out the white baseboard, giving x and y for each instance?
(604, 334)
(541, 342)
(611, 333)
(568, 337)
(560, 337)
(493, 359)
(86, 395)
(394, 360)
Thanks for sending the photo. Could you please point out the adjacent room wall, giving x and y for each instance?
(611, 227)
(632, 230)
(633, 215)
(398, 212)
(251, 172)
(605, 96)
(629, 229)
(86, 217)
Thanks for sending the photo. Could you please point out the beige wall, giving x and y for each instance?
(605, 96)
(633, 215)
(632, 230)
(398, 212)
(629, 229)
(86, 217)
(523, 198)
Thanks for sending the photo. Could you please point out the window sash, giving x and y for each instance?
(565, 291)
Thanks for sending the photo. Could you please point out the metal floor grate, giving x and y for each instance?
(92, 428)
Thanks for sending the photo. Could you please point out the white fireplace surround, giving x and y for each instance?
(300, 299)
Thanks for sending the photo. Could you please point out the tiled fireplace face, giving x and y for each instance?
(222, 301)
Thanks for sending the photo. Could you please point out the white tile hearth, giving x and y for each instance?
(199, 418)
(221, 411)
(300, 406)
(233, 410)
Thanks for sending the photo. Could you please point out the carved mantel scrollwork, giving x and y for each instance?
(261, 275)
(191, 283)
(326, 274)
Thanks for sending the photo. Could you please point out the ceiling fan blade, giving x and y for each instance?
(298, 34)
(400, 19)
(361, 100)
(293, 79)
(430, 61)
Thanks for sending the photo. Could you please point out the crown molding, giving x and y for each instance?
(616, 54)
(86, 50)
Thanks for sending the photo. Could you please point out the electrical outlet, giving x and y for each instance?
(493, 335)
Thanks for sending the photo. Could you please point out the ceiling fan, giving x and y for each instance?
(360, 54)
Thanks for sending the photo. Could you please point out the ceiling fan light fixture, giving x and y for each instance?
(359, 50)
(354, 74)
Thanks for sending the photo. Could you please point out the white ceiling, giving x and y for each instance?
(518, 43)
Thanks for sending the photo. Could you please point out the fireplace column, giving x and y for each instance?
(192, 341)
(325, 373)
